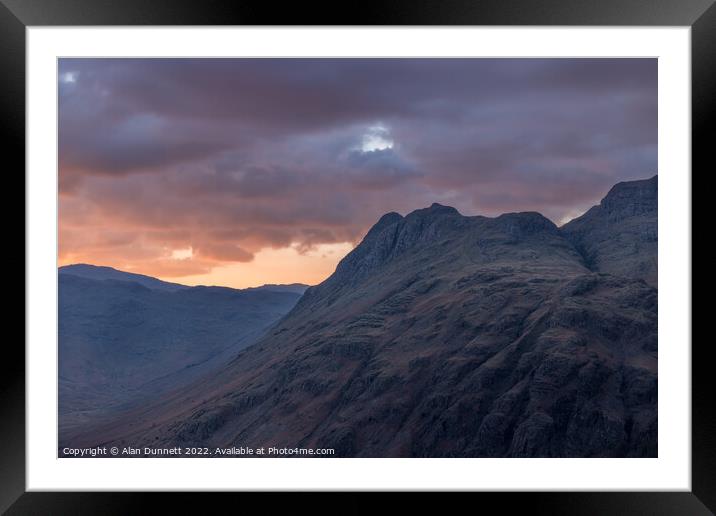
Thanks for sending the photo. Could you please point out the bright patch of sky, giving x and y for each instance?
(68, 77)
(571, 215)
(376, 138)
(274, 266)
(182, 254)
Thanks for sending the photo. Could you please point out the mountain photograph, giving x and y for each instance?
(359, 258)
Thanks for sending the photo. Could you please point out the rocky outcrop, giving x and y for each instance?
(620, 235)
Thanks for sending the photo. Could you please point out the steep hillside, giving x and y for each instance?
(120, 341)
(439, 335)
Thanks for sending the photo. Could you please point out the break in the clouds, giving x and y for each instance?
(178, 167)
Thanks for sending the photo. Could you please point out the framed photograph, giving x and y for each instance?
(419, 248)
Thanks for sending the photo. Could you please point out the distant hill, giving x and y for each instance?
(121, 341)
(442, 335)
(296, 288)
(100, 272)
(97, 272)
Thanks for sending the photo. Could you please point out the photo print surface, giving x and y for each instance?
(382, 257)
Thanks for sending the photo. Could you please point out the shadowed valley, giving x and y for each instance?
(125, 337)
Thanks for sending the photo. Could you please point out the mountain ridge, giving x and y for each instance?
(441, 335)
(103, 272)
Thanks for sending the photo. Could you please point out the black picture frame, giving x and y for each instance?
(16, 15)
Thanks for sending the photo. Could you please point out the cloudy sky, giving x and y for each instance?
(241, 172)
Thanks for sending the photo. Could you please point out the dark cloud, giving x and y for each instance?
(221, 251)
(231, 156)
(378, 169)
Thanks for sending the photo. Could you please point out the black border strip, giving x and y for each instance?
(703, 136)
(16, 15)
(12, 366)
(365, 12)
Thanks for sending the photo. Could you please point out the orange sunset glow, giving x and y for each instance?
(280, 266)
(241, 172)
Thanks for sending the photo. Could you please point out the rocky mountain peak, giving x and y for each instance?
(525, 223)
(394, 235)
(440, 232)
(631, 198)
(385, 221)
(620, 235)
(434, 211)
